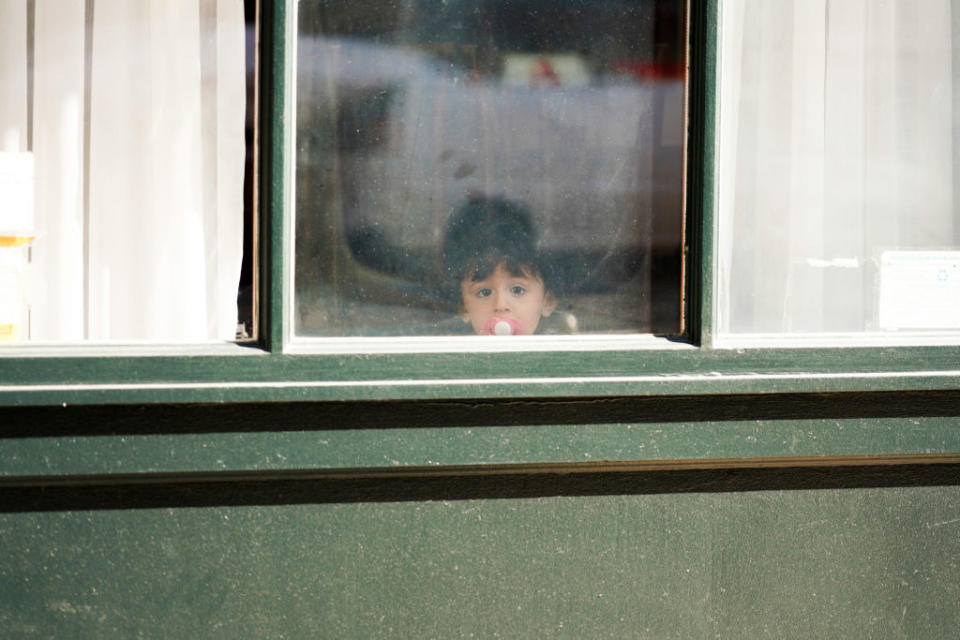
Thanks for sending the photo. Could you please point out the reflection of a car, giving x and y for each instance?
(397, 139)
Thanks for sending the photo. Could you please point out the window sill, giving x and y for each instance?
(905, 338)
(485, 344)
(194, 374)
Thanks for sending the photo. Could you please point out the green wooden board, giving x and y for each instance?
(851, 563)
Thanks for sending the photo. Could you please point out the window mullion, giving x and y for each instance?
(274, 147)
(700, 220)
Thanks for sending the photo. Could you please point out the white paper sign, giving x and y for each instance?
(16, 194)
(920, 290)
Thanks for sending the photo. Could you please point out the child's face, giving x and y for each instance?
(502, 295)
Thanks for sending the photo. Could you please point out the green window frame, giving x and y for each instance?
(634, 405)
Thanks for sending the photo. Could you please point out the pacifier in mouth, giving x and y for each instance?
(502, 327)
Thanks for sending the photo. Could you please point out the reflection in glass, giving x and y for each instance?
(410, 111)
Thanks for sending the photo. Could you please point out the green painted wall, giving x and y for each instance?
(836, 563)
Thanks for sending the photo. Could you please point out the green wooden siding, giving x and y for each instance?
(842, 563)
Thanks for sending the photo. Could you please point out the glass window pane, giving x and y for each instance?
(124, 129)
(458, 161)
(837, 167)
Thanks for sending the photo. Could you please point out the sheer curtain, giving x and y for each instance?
(134, 115)
(836, 144)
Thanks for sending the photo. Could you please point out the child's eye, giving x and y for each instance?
(484, 293)
(518, 290)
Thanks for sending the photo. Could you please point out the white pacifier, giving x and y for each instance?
(502, 327)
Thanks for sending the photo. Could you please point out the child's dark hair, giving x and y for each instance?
(485, 232)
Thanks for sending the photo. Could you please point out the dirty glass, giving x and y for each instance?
(461, 160)
(838, 170)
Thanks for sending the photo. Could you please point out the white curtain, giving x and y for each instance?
(836, 143)
(137, 134)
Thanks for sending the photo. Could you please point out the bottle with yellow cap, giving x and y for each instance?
(16, 236)
(13, 260)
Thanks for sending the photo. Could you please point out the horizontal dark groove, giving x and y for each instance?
(148, 491)
(22, 422)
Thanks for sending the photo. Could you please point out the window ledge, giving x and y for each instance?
(128, 349)
(945, 338)
(485, 344)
